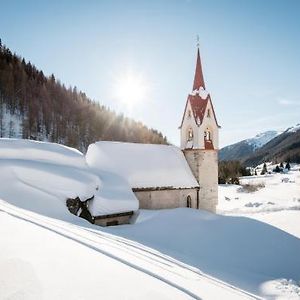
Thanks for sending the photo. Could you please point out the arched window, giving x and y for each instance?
(208, 113)
(188, 201)
(189, 113)
(190, 134)
(207, 135)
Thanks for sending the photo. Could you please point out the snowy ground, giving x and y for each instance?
(276, 202)
(47, 253)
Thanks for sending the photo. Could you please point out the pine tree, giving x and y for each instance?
(277, 169)
(281, 165)
(287, 166)
(264, 170)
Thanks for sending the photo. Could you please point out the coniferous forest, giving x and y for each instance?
(47, 110)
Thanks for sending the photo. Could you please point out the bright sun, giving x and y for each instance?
(131, 89)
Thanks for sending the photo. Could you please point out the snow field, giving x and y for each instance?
(48, 253)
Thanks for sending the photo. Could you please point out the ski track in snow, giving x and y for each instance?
(161, 267)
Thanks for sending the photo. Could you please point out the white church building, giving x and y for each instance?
(164, 176)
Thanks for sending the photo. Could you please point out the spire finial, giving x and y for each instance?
(198, 41)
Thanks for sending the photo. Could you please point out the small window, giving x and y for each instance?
(188, 201)
(207, 135)
(208, 113)
(190, 134)
(189, 114)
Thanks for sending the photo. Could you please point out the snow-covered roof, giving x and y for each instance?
(40, 151)
(114, 196)
(142, 165)
(40, 176)
(46, 174)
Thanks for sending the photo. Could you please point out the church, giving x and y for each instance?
(165, 176)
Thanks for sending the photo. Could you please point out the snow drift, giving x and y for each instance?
(243, 252)
(40, 176)
(114, 195)
(46, 174)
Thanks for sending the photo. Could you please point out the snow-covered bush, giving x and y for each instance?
(250, 188)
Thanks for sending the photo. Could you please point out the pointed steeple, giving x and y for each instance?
(198, 80)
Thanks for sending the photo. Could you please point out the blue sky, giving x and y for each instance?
(249, 50)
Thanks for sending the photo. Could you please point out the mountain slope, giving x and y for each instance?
(246, 147)
(284, 147)
(38, 107)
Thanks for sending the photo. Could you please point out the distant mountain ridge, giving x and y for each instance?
(246, 147)
(282, 148)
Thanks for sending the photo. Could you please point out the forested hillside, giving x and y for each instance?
(38, 107)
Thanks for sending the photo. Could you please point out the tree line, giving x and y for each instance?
(231, 170)
(50, 111)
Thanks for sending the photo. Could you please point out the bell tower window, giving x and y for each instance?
(207, 135)
(208, 113)
(190, 134)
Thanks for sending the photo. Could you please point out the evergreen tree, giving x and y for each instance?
(230, 171)
(287, 166)
(264, 170)
(281, 165)
(277, 169)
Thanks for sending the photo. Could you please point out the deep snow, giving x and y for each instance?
(48, 253)
(47, 173)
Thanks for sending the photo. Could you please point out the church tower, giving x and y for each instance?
(199, 131)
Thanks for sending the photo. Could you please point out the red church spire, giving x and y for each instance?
(198, 80)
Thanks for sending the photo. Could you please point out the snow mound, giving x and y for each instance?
(114, 196)
(40, 176)
(238, 250)
(281, 289)
(41, 151)
(142, 165)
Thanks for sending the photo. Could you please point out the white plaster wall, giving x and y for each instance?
(211, 124)
(161, 199)
(189, 122)
(198, 131)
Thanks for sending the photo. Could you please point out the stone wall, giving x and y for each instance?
(204, 166)
(167, 198)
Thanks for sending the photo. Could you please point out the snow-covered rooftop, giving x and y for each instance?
(30, 150)
(142, 165)
(114, 196)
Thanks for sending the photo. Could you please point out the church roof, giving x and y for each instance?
(198, 79)
(198, 106)
(199, 97)
(143, 165)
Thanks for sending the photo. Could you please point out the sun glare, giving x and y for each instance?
(131, 89)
